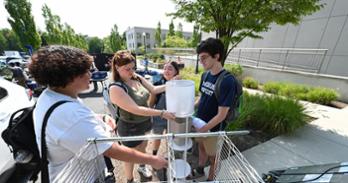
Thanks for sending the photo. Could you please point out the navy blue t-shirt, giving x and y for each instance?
(160, 102)
(162, 81)
(208, 104)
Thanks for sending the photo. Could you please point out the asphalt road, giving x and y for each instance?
(93, 98)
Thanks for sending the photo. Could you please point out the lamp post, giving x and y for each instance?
(144, 35)
(146, 62)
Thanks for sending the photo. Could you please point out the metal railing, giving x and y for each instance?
(306, 60)
(291, 59)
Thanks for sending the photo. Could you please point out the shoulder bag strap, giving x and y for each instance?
(44, 161)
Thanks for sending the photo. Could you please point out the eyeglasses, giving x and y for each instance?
(204, 58)
(128, 69)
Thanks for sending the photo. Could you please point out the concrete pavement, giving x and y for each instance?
(324, 140)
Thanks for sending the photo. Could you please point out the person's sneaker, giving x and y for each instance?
(110, 177)
(133, 181)
(200, 170)
(145, 172)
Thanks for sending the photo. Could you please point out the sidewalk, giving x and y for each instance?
(325, 140)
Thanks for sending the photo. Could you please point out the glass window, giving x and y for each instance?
(3, 93)
(147, 35)
(138, 36)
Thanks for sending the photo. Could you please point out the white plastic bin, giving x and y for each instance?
(180, 97)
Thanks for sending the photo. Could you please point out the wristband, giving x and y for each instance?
(161, 115)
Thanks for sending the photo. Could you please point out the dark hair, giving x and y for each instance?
(211, 46)
(122, 57)
(135, 58)
(175, 65)
(58, 65)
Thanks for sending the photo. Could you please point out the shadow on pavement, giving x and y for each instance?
(93, 93)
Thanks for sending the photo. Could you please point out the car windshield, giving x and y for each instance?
(3, 93)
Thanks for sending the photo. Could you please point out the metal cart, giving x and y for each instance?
(231, 166)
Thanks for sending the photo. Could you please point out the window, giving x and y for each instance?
(3, 93)
(138, 36)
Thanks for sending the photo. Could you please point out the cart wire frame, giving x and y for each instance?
(231, 165)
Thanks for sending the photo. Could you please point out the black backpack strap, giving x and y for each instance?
(124, 87)
(203, 78)
(218, 82)
(44, 161)
(120, 84)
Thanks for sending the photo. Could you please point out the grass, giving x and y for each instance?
(273, 115)
(318, 95)
(250, 82)
(235, 69)
(188, 73)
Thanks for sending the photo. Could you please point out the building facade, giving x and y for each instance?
(325, 29)
(138, 36)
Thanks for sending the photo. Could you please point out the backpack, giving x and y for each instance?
(236, 105)
(21, 139)
(113, 109)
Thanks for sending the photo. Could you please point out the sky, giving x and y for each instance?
(97, 17)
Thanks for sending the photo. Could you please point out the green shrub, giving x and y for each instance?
(250, 82)
(155, 57)
(271, 114)
(189, 74)
(140, 57)
(6, 72)
(313, 94)
(293, 90)
(272, 87)
(235, 69)
(321, 95)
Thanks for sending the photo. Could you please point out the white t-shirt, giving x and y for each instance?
(68, 128)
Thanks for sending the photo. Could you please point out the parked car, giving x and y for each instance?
(15, 57)
(12, 98)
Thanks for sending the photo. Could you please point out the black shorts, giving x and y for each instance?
(125, 129)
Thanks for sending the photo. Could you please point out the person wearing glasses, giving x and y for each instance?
(210, 109)
(130, 92)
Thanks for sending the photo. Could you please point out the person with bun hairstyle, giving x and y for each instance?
(130, 92)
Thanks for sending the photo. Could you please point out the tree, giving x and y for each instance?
(58, 33)
(175, 42)
(158, 34)
(3, 43)
(179, 31)
(115, 40)
(232, 21)
(196, 36)
(53, 26)
(9, 40)
(171, 31)
(95, 45)
(22, 22)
